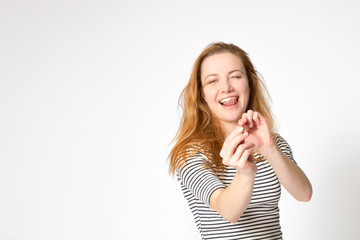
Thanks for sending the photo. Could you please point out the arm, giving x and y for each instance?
(231, 202)
(290, 175)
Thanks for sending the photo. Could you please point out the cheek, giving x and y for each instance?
(244, 87)
(209, 96)
(244, 90)
(247, 96)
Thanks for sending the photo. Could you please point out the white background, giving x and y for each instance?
(88, 106)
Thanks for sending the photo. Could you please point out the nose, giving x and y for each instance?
(226, 86)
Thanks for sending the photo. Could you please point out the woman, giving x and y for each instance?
(228, 159)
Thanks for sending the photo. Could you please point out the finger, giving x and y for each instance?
(262, 119)
(238, 130)
(232, 146)
(241, 154)
(237, 140)
(240, 150)
(228, 147)
(244, 161)
(250, 115)
(242, 121)
(256, 118)
(227, 141)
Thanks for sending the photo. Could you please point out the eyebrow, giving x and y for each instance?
(236, 70)
(215, 74)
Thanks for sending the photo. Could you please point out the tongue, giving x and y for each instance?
(230, 102)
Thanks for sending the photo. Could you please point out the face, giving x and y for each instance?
(225, 87)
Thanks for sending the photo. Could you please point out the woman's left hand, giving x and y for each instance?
(289, 174)
(259, 132)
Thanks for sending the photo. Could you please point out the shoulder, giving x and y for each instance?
(194, 158)
(279, 139)
(284, 146)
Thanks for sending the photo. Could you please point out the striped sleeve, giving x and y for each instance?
(284, 147)
(198, 179)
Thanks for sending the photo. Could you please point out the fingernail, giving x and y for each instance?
(240, 129)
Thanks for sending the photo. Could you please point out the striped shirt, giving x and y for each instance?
(261, 218)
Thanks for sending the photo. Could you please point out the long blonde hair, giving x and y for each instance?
(198, 132)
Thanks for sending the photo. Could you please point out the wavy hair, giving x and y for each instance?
(198, 131)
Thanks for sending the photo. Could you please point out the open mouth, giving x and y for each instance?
(230, 101)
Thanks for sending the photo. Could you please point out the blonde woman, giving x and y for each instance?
(227, 157)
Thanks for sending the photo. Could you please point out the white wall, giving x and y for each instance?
(88, 106)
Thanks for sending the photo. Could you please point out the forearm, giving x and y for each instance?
(231, 202)
(290, 175)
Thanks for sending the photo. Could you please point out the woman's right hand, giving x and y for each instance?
(237, 153)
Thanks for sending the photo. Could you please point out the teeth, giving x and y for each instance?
(227, 99)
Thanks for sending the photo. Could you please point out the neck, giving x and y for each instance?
(227, 128)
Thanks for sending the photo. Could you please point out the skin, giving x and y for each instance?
(223, 75)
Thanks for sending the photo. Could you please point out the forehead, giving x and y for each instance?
(221, 63)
